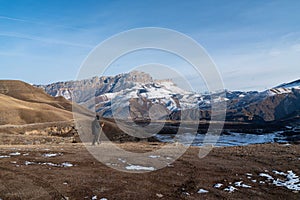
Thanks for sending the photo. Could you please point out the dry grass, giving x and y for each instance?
(21, 103)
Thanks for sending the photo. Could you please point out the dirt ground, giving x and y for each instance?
(69, 171)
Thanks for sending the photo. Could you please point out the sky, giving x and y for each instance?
(254, 44)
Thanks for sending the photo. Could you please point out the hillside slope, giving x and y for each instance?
(21, 103)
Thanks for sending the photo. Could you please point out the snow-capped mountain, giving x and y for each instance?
(291, 85)
(141, 97)
(135, 93)
(284, 88)
(84, 90)
(277, 103)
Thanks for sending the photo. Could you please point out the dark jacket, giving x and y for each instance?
(95, 127)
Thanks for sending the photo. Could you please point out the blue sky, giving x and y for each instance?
(255, 44)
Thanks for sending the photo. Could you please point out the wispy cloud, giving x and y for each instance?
(40, 23)
(46, 40)
(14, 19)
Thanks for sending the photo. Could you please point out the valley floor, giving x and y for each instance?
(69, 171)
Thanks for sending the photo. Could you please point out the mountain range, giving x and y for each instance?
(113, 96)
(139, 97)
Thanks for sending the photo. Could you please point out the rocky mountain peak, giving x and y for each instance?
(137, 76)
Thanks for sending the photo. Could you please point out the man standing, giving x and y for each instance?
(96, 130)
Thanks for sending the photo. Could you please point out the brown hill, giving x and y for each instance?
(26, 110)
(21, 103)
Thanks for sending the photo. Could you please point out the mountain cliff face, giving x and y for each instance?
(84, 90)
(136, 95)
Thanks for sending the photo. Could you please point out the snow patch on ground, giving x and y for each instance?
(112, 164)
(218, 185)
(186, 193)
(262, 182)
(154, 156)
(49, 155)
(230, 189)
(269, 177)
(15, 154)
(279, 173)
(241, 184)
(159, 195)
(290, 180)
(139, 168)
(65, 164)
(4, 156)
(201, 191)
